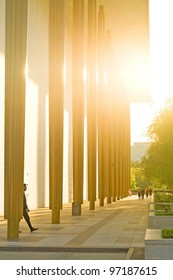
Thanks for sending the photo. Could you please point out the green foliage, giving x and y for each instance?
(164, 213)
(163, 197)
(133, 181)
(138, 179)
(158, 163)
(167, 233)
(163, 201)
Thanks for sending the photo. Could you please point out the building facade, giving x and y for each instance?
(64, 112)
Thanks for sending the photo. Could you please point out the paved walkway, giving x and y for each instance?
(113, 232)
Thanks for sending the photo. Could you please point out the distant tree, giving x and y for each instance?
(135, 164)
(132, 179)
(158, 163)
(138, 179)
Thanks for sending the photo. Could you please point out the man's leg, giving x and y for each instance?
(27, 219)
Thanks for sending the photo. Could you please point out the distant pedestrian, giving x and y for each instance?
(150, 191)
(139, 194)
(26, 210)
(146, 192)
(142, 193)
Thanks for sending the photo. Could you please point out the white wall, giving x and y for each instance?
(36, 124)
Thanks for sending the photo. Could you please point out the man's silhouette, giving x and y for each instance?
(26, 210)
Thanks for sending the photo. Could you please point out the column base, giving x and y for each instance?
(12, 230)
(101, 202)
(92, 205)
(76, 208)
(56, 216)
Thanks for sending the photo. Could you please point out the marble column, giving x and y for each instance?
(56, 104)
(101, 105)
(15, 64)
(78, 104)
(91, 102)
(109, 149)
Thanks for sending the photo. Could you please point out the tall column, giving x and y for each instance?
(119, 139)
(127, 147)
(101, 105)
(115, 131)
(115, 128)
(91, 102)
(113, 144)
(121, 145)
(15, 60)
(108, 118)
(78, 104)
(123, 148)
(56, 104)
(124, 145)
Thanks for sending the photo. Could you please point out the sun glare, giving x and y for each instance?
(161, 68)
(84, 73)
(161, 46)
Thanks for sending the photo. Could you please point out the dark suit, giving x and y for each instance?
(25, 212)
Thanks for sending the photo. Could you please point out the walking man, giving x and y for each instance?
(26, 210)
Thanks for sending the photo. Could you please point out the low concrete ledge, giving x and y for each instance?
(160, 221)
(152, 207)
(156, 247)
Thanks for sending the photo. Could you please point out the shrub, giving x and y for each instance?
(167, 233)
(163, 213)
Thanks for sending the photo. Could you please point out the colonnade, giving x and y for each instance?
(108, 116)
